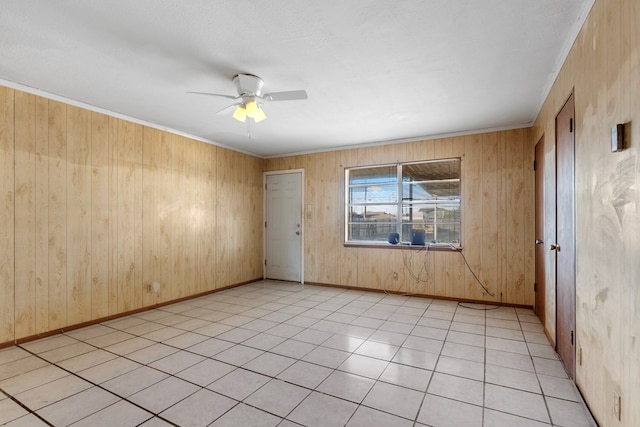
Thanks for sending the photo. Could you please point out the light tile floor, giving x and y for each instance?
(282, 354)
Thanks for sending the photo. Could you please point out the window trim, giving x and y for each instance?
(399, 202)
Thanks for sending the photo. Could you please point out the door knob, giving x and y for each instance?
(298, 232)
(539, 242)
(554, 248)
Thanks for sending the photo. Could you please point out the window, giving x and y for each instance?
(403, 198)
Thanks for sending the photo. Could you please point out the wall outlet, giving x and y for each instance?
(395, 275)
(617, 406)
(155, 286)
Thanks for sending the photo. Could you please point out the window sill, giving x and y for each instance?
(385, 245)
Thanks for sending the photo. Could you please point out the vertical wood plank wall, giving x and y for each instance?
(498, 198)
(95, 209)
(603, 69)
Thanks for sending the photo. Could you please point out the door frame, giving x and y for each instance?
(540, 266)
(264, 218)
(567, 352)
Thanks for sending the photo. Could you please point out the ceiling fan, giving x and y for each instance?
(250, 97)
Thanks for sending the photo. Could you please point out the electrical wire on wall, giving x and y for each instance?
(422, 276)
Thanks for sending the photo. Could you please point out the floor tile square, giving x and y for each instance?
(238, 355)
(245, 415)
(568, 414)
(199, 409)
(328, 357)
(346, 386)
(463, 351)
(176, 362)
(205, 372)
(514, 378)
(416, 358)
(134, 381)
(343, 342)
(394, 399)
(78, 406)
(305, 374)
(163, 394)
(377, 350)
(406, 376)
(35, 378)
(461, 368)
(121, 414)
(53, 391)
(562, 388)
(269, 364)
(443, 412)
(363, 365)
(239, 384)
(457, 388)
(108, 370)
(278, 397)
(494, 418)
(293, 348)
(10, 410)
(368, 417)
(517, 402)
(321, 410)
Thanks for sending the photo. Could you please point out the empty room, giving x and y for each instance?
(320, 213)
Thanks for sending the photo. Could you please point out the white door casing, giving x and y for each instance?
(284, 228)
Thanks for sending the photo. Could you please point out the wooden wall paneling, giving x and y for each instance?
(128, 188)
(78, 215)
(138, 209)
(7, 210)
(100, 244)
(149, 227)
(207, 240)
(253, 216)
(192, 212)
(472, 214)
(528, 212)
(225, 216)
(216, 221)
(25, 221)
(491, 194)
(328, 219)
(58, 253)
(178, 205)
(513, 231)
(311, 237)
(113, 206)
(42, 214)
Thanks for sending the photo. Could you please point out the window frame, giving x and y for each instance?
(399, 204)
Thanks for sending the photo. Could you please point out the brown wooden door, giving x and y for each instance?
(539, 232)
(565, 237)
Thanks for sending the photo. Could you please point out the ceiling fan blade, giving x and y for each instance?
(216, 94)
(290, 95)
(228, 108)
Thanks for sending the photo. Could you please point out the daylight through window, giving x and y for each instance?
(404, 198)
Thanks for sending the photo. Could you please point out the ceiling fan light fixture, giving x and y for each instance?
(259, 115)
(240, 114)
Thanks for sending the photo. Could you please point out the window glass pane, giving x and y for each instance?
(373, 175)
(374, 193)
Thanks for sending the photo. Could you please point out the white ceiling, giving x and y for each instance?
(374, 70)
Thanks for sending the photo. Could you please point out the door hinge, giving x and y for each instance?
(265, 186)
(265, 262)
(534, 165)
(265, 224)
(570, 125)
(535, 287)
(571, 337)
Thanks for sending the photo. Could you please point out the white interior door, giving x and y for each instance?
(283, 227)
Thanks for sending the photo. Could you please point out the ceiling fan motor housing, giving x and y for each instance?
(248, 85)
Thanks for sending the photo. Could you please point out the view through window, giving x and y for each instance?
(404, 198)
